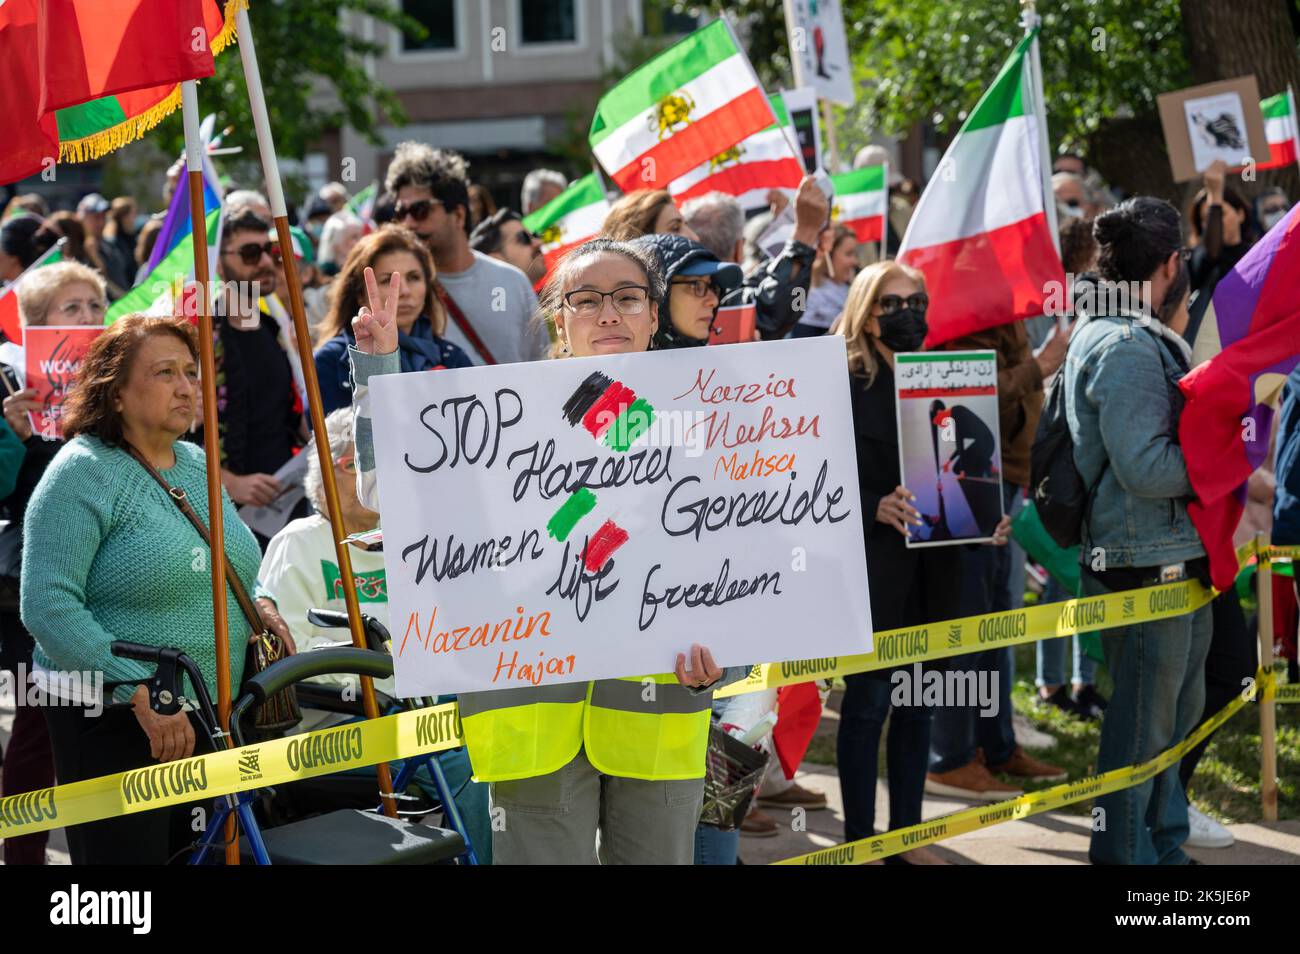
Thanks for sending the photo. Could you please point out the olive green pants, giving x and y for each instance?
(554, 819)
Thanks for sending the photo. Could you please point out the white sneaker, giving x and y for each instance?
(1205, 831)
(1028, 736)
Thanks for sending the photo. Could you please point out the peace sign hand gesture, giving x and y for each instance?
(375, 326)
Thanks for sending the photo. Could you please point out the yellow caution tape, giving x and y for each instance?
(1032, 803)
(407, 734)
(955, 637)
(322, 752)
(1288, 693)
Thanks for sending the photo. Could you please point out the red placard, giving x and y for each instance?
(54, 356)
(733, 324)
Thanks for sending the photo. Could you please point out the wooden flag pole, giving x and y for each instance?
(1029, 19)
(832, 145)
(1267, 714)
(275, 193)
(211, 436)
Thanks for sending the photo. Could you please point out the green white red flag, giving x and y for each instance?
(692, 102)
(10, 321)
(572, 217)
(1280, 129)
(861, 200)
(750, 169)
(980, 232)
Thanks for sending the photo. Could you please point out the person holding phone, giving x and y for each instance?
(566, 761)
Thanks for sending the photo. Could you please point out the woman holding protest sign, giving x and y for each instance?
(109, 555)
(566, 760)
(884, 313)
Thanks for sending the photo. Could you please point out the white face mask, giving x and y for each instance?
(1270, 219)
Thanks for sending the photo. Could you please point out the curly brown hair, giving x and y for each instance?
(348, 293)
(90, 405)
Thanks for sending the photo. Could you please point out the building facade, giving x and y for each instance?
(501, 81)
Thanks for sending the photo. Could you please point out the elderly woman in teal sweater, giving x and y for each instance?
(108, 555)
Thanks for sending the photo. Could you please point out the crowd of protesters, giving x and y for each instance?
(441, 276)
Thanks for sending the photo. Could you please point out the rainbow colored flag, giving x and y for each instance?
(176, 226)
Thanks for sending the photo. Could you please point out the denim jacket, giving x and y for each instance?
(1123, 403)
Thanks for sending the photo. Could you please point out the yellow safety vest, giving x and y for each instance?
(648, 727)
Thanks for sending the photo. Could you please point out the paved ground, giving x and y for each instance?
(1048, 839)
(1051, 838)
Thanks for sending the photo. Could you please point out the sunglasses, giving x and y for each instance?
(523, 237)
(250, 253)
(892, 303)
(418, 210)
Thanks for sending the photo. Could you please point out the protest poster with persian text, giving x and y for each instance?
(53, 358)
(591, 518)
(950, 453)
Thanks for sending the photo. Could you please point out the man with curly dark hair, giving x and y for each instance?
(489, 302)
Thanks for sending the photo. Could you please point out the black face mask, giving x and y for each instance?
(903, 330)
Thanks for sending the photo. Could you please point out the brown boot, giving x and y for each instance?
(758, 825)
(1023, 765)
(795, 795)
(972, 781)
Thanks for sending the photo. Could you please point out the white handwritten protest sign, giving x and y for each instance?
(592, 517)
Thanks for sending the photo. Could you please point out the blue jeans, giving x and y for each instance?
(986, 572)
(1159, 673)
(1051, 652)
(862, 717)
(713, 846)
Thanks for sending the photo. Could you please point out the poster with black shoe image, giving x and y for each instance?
(949, 448)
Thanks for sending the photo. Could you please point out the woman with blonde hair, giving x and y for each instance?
(884, 314)
(421, 319)
(645, 212)
(66, 293)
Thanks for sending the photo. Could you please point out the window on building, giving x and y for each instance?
(548, 21)
(438, 17)
(658, 18)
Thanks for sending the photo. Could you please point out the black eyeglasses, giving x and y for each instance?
(250, 253)
(892, 303)
(418, 210)
(700, 287)
(628, 300)
(523, 237)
